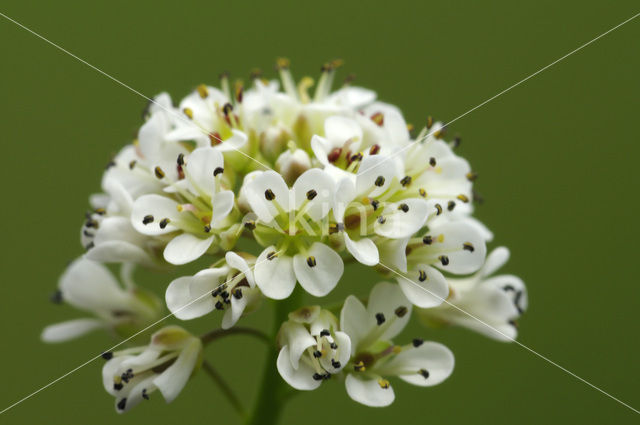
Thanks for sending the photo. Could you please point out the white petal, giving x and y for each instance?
(157, 206)
(496, 259)
(321, 147)
(385, 298)
(435, 358)
(320, 279)
(237, 140)
(298, 340)
(237, 262)
(342, 354)
(173, 380)
(200, 167)
(319, 181)
(300, 378)
(355, 321)
(274, 277)
(456, 233)
(90, 286)
(363, 250)
(134, 395)
(186, 296)
(400, 224)
(371, 168)
(396, 126)
(394, 253)
(339, 129)
(344, 194)
(255, 192)
(64, 331)
(185, 248)
(430, 292)
(222, 206)
(368, 392)
(118, 252)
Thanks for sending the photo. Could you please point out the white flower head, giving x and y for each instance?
(374, 357)
(230, 288)
(313, 349)
(490, 305)
(90, 286)
(133, 374)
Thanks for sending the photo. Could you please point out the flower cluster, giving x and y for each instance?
(316, 179)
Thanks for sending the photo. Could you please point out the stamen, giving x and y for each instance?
(424, 373)
(381, 219)
(335, 363)
(406, 181)
(311, 194)
(417, 342)
(56, 297)
(325, 332)
(380, 319)
(219, 305)
(317, 354)
(311, 261)
(444, 260)
(432, 161)
(237, 293)
(463, 198)
(122, 404)
(403, 207)
(202, 91)
(422, 192)
(207, 228)
(379, 181)
(429, 122)
(356, 157)
(159, 173)
(427, 240)
(384, 384)
(164, 222)
(132, 164)
(218, 170)
(227, 109)
(401, 311)
(359, 367)
(180, 159)
(333, 346)
(472, 176)
(188, 112)
(375, 204)
(468, 246)
(147, 219)
(107, 355)
(334, 154)
(438, 209)
(144, 394)
(318, 377)
(378, 118)
(271, 255)
(451, 205)
(269, 195)
(373, 150)
(422, 275)
(250, 224)
(118, 386)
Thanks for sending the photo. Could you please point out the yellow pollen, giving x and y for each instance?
(441, 238)
(463, 198)
(179, 207)
(396, 349)
(188, 112)
(384, 384)
(202, 91)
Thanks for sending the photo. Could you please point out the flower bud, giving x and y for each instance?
(291, 164)
(273, 141)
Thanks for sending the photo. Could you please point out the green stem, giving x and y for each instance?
(224, 387)
(273, 391)
(219, 333)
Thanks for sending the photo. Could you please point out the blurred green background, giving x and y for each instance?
(557, 158)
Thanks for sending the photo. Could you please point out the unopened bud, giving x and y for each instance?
(292, 164)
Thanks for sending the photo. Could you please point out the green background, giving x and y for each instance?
(557, 158)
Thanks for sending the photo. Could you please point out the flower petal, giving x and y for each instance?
(158, 207)
(185, 296)
(321, 277)
(90, 286)
(355, 321)
(402, 219)
(426, 287)
(222, 206)
(371, 168)
(237, 262)
(185, 248)
(368, 391)
(274, 277)
(409, 365)
(173, 380)
(387, 298)
(300, 378)
(363, 250)
(65, 331)
(200, 168)
(496, 259)
(256, 191)
(339, 130)
(322, 184)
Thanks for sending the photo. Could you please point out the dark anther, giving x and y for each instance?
(406, 181)
(107, 355)
(429, 122)
(89, 245)
(472, 176)
(378, 118)
(422, 192)
(88, 234)
(432, 161)
(147, 219)
(159, 173)
(451, 205)
(325, 332)
(467, 246)
(326, 376)
(456, 142)
(269, 195)
(224, 295)
(227, 108)
(508, 288)
(438, 209)
(334, 154)
(375, 204)
(317, 354)
(132, 164)
(516, 302)
(250, 224)
(444, 260)
(144, 394)
(56, 297)
(379, 181)
(401, 311)
(311, 261)
(164, 222)
(424, 373)
(356, 157)
(216, 292)
(417, 342)
(118, 386)
(237, 294)
(271, 255)
(403, 207)
(359, 367)
(218, 170)
(463, 198)
(219, 305)
(335, 363)
(317, 377)
(181, 159)
(92, 223)
(422, 276)
(381, 219)
(374, 149)
(122, 404)
(333, 346)
(100, 211)
(380, 318)
(207, 228)
(427, 240)
(311, 194)
(110, 164)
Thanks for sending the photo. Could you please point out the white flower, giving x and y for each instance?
(230, 288)
(292, 163)
(313, 348)
(291, 229)
(133, 374)
(197, 213)
(374, 356)
(497, 301)
(89, 286)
